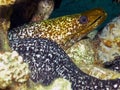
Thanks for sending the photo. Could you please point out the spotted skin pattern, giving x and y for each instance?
(113, 65)
(48, 61)
(65, 30)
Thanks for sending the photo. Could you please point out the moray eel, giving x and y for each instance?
(48, 61)
(113, 65)
(65, 30)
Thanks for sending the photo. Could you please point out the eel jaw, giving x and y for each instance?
(95, 18)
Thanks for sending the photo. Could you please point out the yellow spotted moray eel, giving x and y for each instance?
(48, 61)
(65, 30)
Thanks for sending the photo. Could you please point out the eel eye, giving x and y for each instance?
(83, 19)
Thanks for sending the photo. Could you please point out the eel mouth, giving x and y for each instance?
(100, 17)
(95, 18)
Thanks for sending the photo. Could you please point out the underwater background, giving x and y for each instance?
(66, 7)
(92, 62)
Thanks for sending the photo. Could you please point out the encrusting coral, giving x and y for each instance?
(12, 69)
(7, 2)
(15, 77)
(82, 54)
(57, 84)
(109, 47)
(14, 73)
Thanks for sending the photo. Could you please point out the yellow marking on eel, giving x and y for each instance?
(65, 30)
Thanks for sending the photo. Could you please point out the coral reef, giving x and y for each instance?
(12, 69)
(7, 2)
(48, 61)
(82, 52)
(83, 55)
(45, 8)
(98, 71)
(25, 11)
(57, 84)
(109, 47)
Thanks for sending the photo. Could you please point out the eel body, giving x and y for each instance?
(113, 65)
(64, 30)
(48, 61)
